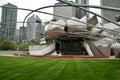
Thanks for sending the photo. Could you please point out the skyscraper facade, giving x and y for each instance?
(64, 11)
(110, 14)
(34, 28)
(80, 13)
(9, 19)
(22, 34)
(16, 37)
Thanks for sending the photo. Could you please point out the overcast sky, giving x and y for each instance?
(34, 4)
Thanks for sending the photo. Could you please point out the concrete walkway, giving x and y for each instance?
(10, 53)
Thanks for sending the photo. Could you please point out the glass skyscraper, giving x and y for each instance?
(35, 28)
(9, 19)
(80, 13)
(64, 11)
(110, 14)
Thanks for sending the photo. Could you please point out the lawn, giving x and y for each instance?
(18, 68)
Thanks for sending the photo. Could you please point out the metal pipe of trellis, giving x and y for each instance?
(62, 17)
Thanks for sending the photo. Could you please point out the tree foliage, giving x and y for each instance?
(6, 44)
(34, 42)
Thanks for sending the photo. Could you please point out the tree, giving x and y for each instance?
(23, 46)
(6, 44)
(34, 42)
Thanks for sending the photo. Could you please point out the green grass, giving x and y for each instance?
(18, 68)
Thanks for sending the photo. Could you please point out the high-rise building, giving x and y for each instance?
(80, 13)
(16, 37)
(22, 34)
(110, 14)
(9, 19)
(66, 11)
(35, 28)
